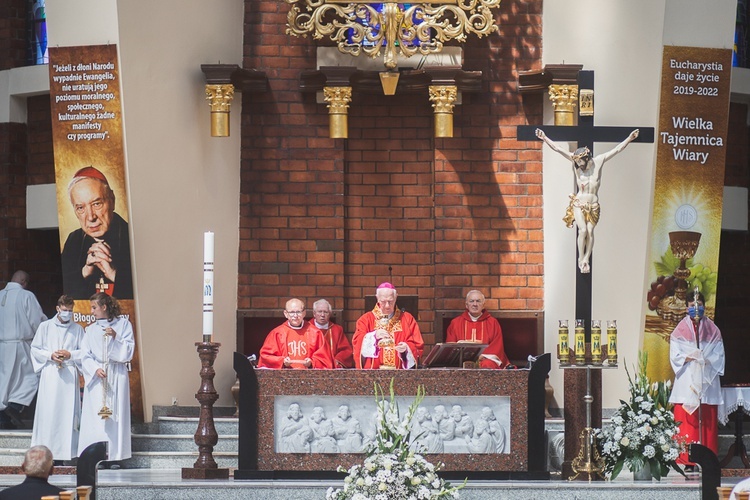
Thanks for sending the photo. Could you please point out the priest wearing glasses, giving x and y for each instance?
(386, 337)
(296, 343)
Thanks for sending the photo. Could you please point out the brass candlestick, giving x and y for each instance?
(588, 461)
(105, 412)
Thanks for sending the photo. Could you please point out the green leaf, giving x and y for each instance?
(617, 469)
(655, 468)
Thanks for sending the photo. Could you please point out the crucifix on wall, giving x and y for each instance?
(583, 209)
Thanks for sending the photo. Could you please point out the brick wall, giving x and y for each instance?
(26, 159)
(332, 218)
(13, 193)
(732, 299)
(13, 33)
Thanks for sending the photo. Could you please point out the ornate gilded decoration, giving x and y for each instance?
(220, 99)
(586, 102)
(359, 27)
(338, 99)
(443, 99)
(565, 100)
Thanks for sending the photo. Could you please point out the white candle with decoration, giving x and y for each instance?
(208, 286)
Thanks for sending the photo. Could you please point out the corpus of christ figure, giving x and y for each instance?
(584, 203)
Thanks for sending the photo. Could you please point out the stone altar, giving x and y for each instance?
(522, 457)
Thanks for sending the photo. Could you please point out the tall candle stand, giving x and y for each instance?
(206, 436)
(589, 463)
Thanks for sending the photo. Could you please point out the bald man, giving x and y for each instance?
(20, 316)
(477, 325)
(295, 343)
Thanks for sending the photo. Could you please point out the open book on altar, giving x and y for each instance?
(453, 354)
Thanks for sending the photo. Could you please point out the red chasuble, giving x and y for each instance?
(485, 330)
(402, 326)
(284, 341)
(338, 345)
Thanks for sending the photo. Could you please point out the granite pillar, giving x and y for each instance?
(575, 413)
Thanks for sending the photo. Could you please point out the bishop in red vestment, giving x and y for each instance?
(335, 339)
(296, 343)
(386, 336)
(477, 325)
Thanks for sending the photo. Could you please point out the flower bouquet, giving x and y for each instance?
(392, 469)
(643, 430)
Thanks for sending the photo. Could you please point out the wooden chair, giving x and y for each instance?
(68, 495)
(724, 492)
(83, 492)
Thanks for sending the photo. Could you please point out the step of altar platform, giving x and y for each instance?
(168, 485)
(166, 443)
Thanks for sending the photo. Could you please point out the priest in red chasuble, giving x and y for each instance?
(296, 343)
(387, 337)
(333, 335)
(477, 325)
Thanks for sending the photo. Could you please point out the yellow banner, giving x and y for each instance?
(92, 198)
(688, 192)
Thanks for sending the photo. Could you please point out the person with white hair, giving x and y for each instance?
(386, 337)
(333, 335)
(37, 466)
(295, 344)
(477, 325)
(96, 257)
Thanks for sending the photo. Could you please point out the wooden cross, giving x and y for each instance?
(585, 134)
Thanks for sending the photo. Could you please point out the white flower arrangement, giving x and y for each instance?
(642, 430)
(392, 469)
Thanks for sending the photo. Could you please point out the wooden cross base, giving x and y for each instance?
(206, 436)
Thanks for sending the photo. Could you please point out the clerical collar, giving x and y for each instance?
(475, 319)
(295, 327)
(322, 327)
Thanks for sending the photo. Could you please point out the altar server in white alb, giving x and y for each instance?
(55, 352)
(108, 347)
(696, 352)
(20, 316)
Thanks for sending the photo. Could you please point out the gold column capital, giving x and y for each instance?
(219, 97)
(565, 101)
(443, 99)
(338, 99)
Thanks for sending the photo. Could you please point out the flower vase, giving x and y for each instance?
(643, 474)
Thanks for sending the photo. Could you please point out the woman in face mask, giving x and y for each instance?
(696, 352)
(54, 353)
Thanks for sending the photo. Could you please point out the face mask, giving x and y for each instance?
(698, 312)
(65, 315)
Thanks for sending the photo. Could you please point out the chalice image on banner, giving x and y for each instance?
(684, 245)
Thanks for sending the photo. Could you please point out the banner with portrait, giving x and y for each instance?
(90, 178)
(688, 192)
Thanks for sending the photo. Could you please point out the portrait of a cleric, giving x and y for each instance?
(96, 257)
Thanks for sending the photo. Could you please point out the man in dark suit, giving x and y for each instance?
(37, 465)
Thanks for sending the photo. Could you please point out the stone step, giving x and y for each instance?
(180, 442)
(175, 460)
(188, 425)
(15, 439)
(11, 456)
